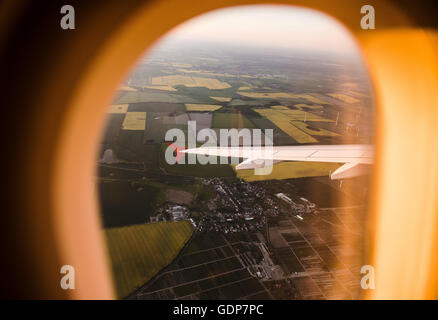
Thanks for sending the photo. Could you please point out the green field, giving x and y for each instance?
(231, 120)
(250, 103)
(152, 96)
(138, 252)
(127, 202)
(204, 94)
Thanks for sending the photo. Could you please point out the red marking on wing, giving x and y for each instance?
(177, 150)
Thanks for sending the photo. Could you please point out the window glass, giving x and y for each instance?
(236, 158)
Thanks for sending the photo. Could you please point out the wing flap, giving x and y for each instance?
(350, 170)
(255, 164)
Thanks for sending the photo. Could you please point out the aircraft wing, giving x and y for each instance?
(357, 159)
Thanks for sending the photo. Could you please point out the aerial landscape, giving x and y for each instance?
(210, 231)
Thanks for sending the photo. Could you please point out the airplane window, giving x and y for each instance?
(236, 160)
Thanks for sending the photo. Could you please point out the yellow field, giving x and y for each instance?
(244, 88)
(139, 252)
(291, 114)
(343, 97)
(166, 88)
(285, 125)
(126, 88)
(281, 95)
(221, 99)
(291, 122)
(202, 107)
(309, 106)
(283, 122)
(188, 81)
(117, 108)
(290, 170)
(134, 121)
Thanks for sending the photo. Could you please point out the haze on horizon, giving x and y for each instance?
(270, 26)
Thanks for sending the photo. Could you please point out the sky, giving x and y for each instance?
(268, 25)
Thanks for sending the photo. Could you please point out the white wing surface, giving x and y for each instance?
(357, 159)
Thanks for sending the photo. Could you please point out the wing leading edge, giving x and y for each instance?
(357, 159)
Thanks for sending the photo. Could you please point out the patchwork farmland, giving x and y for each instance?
(194, 231)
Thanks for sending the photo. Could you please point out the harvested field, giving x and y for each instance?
(165, 88)
(284, 123)
(221, 99)
(117, 108)
(202, 107)
(188, 81)
(134, 121)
